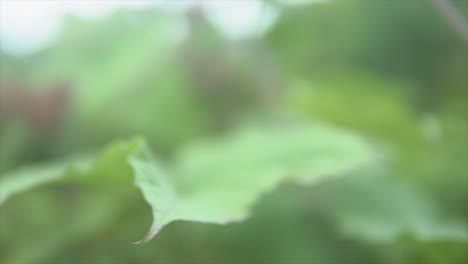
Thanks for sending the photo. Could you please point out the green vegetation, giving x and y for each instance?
(340, 135)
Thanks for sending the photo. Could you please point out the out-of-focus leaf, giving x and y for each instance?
(432, 252)
(381, 209)
(27, 178)
(109, 168)
(58, 221)
(218, 181)
(128, 60)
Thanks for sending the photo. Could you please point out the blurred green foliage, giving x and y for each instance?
(390, 71)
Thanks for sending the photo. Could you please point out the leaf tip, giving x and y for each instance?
(151, 234)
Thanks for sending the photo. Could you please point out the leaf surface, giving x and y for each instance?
(214, 181)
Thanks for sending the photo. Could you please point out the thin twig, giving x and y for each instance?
(456, 20)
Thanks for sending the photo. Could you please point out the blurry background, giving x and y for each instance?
(75, 75)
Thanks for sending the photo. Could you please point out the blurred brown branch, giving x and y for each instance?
(43, 110)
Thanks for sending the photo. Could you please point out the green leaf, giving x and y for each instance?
(110, 167)
(24, 179)
(216, 181)
(378, 208)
